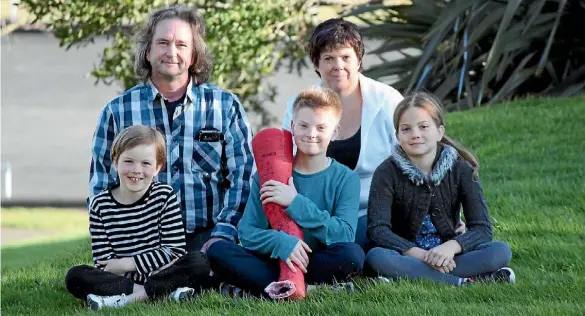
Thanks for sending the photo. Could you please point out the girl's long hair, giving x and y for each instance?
(433, 106)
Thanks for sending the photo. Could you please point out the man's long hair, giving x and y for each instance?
(200, 70)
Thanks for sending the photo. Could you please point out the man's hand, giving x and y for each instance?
(118, 266)
(299, 256)
(209, 243)
(416, 252)
(442, 254)
(448, 268)
(276, 192)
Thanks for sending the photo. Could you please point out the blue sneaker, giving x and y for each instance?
(503, 275)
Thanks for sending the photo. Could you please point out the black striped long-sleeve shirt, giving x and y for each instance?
(150, 230)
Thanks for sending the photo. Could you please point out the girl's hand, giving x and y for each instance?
(446, 269)
(442, 254)
(276, 192)
(460, 227)
(299, 256)
(416, 252)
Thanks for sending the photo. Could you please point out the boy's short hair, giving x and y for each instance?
(139, 135)
(317, 98)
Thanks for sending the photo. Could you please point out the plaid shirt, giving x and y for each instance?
(211, 179)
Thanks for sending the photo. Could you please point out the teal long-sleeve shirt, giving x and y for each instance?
(326, 208)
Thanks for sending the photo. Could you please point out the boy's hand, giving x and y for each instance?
(166, 266)
(208, 243)
(299, 256)
(118, 266)
(276, 192)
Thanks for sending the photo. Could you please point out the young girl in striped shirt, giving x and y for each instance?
(137, 232)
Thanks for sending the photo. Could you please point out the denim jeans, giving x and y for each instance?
(361, 237)
(486, 257)
(253, 272)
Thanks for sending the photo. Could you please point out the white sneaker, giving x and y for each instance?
(96, 302)
(227, 289)
(182, 294)
(382, 279)
(502, 275)
(348, 287)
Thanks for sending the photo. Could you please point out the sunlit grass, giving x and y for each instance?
(42, 225)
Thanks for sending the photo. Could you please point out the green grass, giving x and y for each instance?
(45, 225)
(52, 219)
(532, 171)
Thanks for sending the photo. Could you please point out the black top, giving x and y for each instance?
(401, 196)
(346, 151)
(171, 106)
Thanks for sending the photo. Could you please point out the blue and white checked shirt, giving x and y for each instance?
(194, 169)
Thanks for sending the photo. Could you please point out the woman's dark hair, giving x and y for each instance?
(334, 33)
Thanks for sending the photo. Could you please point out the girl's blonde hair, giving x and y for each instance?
(433, 106)
(139, 135)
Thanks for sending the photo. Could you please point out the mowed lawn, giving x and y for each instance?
(532, 156)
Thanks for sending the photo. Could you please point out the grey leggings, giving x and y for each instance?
(486, 257)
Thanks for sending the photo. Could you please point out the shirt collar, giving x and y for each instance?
(154, 93)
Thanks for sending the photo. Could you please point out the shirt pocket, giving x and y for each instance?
(207, 157)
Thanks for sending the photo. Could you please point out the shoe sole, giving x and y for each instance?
(183, 296)
(512, 277)
(382, 279)
(349, 287)
(93, 305)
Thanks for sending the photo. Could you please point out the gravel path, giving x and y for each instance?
(11, 235)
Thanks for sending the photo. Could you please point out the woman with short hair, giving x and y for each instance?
(367, 134)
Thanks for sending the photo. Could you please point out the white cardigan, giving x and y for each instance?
(377, 130)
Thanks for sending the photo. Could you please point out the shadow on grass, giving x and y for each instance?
(33, 276)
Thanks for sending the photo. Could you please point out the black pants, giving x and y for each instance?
(253, 273)
(196, 240)
(188, 271)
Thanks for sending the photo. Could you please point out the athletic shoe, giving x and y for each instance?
(96, 302)
(182, 294)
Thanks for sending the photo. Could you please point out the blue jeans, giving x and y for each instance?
(486, 257)
(361, 237)
(253, 272)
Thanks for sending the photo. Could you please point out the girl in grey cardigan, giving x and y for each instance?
(414, 204)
